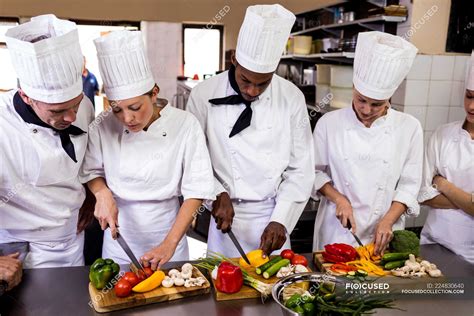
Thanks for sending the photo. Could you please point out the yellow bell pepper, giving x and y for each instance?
(255, 258)
(150, 283)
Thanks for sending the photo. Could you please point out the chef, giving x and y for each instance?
(368, 156)
(448, 182)
(141, 157)
(43, 140)
(259, 138)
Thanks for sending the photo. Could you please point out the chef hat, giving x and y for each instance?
(47, 58)
(381, 63)
(470, 73)
(263, 36)
(124, 65)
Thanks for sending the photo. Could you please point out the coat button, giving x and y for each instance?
(347, 183)
(345, 158)
(380, 187)
(269, 127)
(34, 131)
(233, 152)
(164, 134)
(385, 161)
(127, 131)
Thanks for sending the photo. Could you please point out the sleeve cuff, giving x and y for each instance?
(413, 208)
(90, 177)
(287, 213)
(427, 193)
(320, 180)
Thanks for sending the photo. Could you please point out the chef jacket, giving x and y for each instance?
(372, 167)
(450, 154)
(40, 191)
(270, 159)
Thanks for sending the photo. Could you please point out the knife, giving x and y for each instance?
(349, 226)
(238, 246)
(128, 251)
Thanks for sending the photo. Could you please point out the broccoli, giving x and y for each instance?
(405, 241)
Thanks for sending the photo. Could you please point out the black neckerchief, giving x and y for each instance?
(29, 116)
(245, 117)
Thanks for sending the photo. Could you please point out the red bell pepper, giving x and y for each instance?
(342, 268)
(329, 257)
(346, 251)
(229, 278)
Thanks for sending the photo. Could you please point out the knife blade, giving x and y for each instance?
(128, 251)
(349, 226)
(238, 246)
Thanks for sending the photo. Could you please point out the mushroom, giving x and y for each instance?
(167, 282)
(179, 281)
(412, 264)
(200, 281)
(190, 283)
(299, 268)
(173, 273)
(187, 267)
(435, 273)
(187, 274)
(284, 271)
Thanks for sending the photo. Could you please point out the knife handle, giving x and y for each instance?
(349, 226)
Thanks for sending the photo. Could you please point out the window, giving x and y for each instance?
(8, 79)
(203, 46)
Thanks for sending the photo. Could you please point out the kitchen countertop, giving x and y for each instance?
(64, 291)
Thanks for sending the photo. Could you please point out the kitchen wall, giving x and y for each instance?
(153, 10)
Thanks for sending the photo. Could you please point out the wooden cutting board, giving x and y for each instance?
(246, 291)
(325, 267)
(105, 300)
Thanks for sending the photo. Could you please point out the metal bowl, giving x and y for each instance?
(313, 277)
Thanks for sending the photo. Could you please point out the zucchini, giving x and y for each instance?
(394, 264)
(275, 267)
(361, 273)
(351, 273)
(395, 256)
(267, 265)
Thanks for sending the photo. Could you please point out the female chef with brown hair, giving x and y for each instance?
(142, 157)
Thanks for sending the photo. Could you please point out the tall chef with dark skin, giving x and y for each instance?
(259, 138)
(43, 139)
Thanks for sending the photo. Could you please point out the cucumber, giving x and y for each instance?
(361, 273)
(267, 265)
(394, 264)
(395, 256)
(351, 273)
(275, 267)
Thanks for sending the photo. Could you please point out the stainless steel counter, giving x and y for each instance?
(63, 291)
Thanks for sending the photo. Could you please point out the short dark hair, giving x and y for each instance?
(150, 93)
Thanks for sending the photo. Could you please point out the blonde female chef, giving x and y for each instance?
(368, 156)
(142, 158)
(448, 182)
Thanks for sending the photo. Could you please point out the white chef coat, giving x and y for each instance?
(267, 166)
(449, 153)
(146, 173)
(370, 166)
(40, 192)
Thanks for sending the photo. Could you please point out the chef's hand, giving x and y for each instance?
(273, 238)
(158, 256)
(11, 270)
(439, 182)
(106, 211)
(383, 235)
(344, 212)
(223, 212)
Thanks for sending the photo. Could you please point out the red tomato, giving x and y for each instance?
(299, 259)
(148, 273)
(287, 254)
(132, 278)
(123, 288)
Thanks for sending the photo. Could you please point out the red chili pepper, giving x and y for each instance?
(329, 257)
(229, 278)
(342, 250)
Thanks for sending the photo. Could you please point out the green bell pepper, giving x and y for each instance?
(102, 271)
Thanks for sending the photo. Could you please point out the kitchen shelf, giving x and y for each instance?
(360, 22)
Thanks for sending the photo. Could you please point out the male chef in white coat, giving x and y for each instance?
(368, 156)
(43, 142)
(259, 138)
